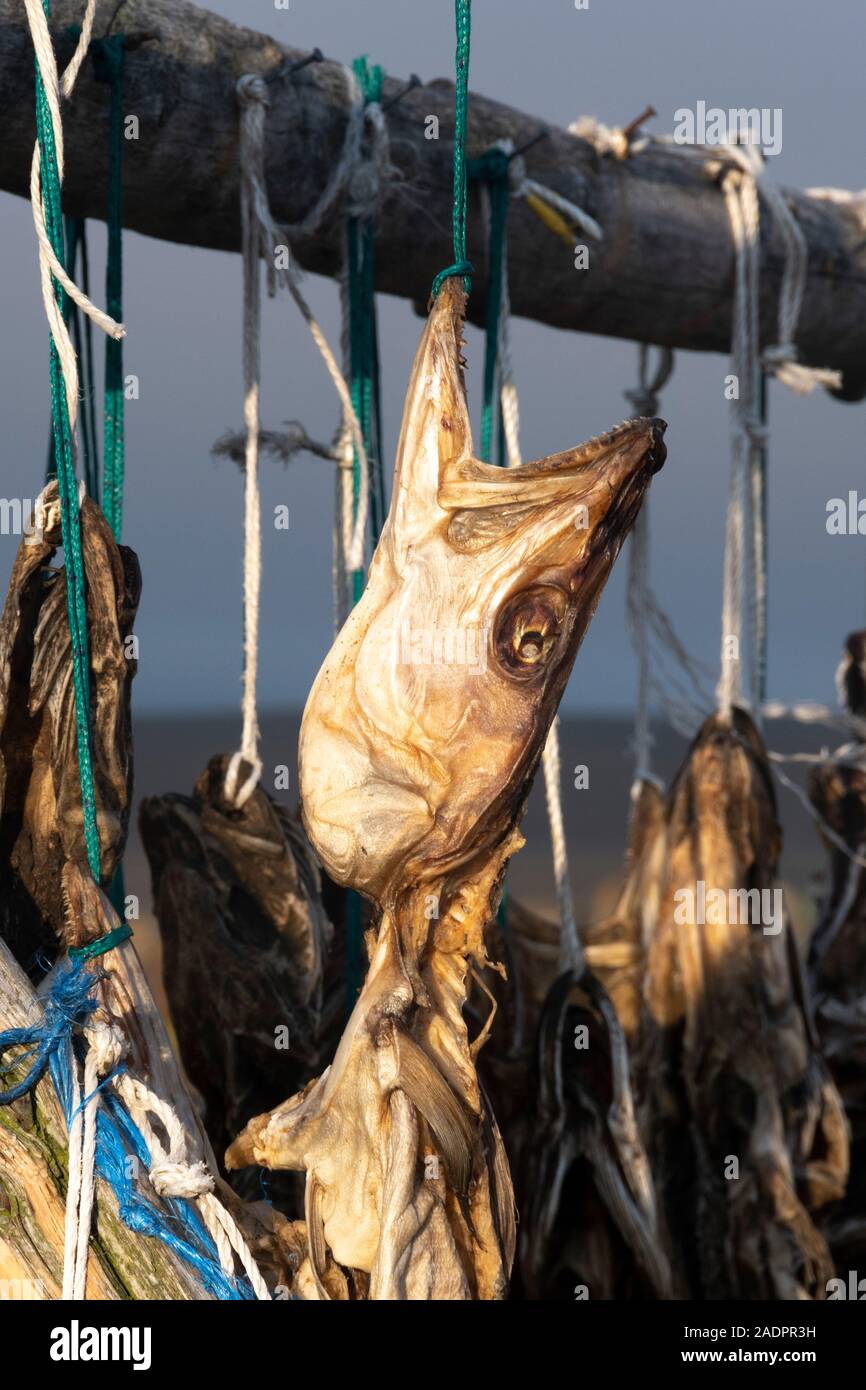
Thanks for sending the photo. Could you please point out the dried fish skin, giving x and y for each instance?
(41, 819)
(837, 955)
(237, 894)
(415, 766)
(482, 586)
(741, 1121)
(615, 947)
(590, 1216)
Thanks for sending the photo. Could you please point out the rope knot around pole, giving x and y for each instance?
(252, 88)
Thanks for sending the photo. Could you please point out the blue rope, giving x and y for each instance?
(181, 1229)
(70, 1001)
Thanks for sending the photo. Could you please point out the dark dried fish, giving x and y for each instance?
(41, 820)
(245, 938)
(743, 1125)
(837, 958)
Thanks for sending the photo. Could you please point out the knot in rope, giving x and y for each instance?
(460, 264)
(108, 1045)
(645, 396)
(69, 1002)
(604, 139)
(780, 358)
(188, 1180)
(252, 88)
(372, 169)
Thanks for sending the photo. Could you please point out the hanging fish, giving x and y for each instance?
(837, 958)
(245, 938)
(615, 947)
(589, 1215)
(504, 1007)
(743, 1125)
(41, 820)
(419, 743)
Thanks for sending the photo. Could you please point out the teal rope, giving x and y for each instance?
(492, 167)
(108, 64)
(460, 266)
(102, 943)
(68, 488)
(108, 59)
(82, 341)
(364, 385)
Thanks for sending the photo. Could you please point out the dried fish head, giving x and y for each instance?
(426, 722)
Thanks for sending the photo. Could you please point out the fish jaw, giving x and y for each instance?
(431, 711)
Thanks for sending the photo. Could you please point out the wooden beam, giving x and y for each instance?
(663, 273)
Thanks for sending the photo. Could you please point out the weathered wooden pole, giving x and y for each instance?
(662, 274)
(33, 1168)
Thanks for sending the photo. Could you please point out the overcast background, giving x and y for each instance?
(183, 509)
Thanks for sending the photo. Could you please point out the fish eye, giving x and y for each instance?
(527, 632)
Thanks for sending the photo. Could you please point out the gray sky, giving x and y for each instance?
(183, 509)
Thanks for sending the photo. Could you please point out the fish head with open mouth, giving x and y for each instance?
(426, 722)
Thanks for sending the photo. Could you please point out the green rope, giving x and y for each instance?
(108, 58)
(460, 266)
(492, 168)
(364, 385)
(108, 64)
(102, 943)
(68, 487)
(82, 340)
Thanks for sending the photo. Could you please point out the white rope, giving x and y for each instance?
(49, 265)
(341, 566)
(367, 169)
(253, 95)
(73, 1182)
(639, 598)
(104, 1050)
(606, 139)
(743, 561)
(173, 1174)
(570, 949)
(562, 204)
(781, 358)
(253, 103)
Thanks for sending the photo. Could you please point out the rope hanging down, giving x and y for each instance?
(45, 186)
(360, 312)
(497, 175)
(744, 585)
(263, 239)
(361, 366)
(254, 247)
(108, 58)
(95, 1145)
(460, 265)
(639, 600)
